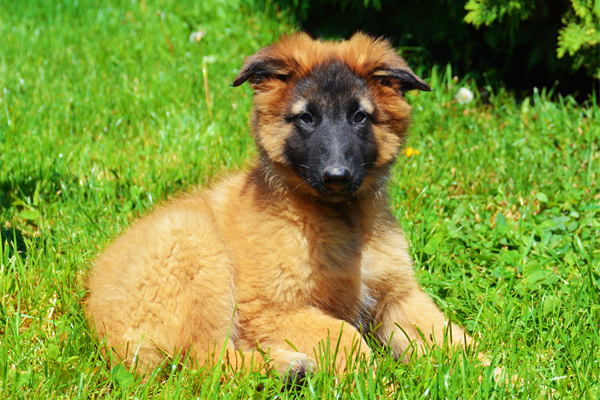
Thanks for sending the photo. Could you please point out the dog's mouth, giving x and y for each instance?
(333, 197)
(336, 193)
(333, 185)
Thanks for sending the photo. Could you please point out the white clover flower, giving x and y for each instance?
(197, 36)
(464, 96)
(209, 59)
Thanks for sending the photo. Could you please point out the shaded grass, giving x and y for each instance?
(104, 113)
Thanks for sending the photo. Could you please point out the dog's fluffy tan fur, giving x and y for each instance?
(295, 265)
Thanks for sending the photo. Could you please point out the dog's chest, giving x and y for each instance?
(344, 297)
(300, 262)
(336, 279)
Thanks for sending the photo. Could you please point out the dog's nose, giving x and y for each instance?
(336, 178)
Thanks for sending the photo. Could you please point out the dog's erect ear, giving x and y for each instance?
(262, 66)
(401, 79)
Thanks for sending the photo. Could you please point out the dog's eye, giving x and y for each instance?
(360, 117)
(306, 118)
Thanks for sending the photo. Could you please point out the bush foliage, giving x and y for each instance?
(579, 35)
(521, 43)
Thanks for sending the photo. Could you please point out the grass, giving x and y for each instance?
(104, 113)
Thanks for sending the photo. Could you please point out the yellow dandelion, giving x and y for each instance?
(409, 151)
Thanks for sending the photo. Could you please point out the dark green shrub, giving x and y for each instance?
(579, 35)
(520, 43)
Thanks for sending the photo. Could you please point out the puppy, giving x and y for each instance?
(298, 254)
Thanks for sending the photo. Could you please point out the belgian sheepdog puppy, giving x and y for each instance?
(299, 250)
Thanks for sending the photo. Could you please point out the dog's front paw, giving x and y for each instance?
(292, 366)
(295, 374)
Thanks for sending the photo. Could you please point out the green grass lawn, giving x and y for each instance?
(104, 113)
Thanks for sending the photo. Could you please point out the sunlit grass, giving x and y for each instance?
(104, 113)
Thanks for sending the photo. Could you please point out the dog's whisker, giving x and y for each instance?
(301, 165)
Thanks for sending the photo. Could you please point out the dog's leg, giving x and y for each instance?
(407, 318)
(412, 319)
(165, 288)
(301, 339)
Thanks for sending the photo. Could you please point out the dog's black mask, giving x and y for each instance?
(333, 145)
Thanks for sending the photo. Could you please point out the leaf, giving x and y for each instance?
(53, 352)
(540, 277)
(36, 194)
(20, 203)
(29, 214)
(72, 360)
(127, 206)
(542, 197)
(23, 379)
(433, 243)
(501, 222)
(548, 224)
(550, 304)
(570, 258)
(121, 377)
(135, 192)
(62, 375)
(595, 313)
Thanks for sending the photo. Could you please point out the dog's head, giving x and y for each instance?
(329, 116)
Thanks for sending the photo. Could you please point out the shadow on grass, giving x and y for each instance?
(13, 239)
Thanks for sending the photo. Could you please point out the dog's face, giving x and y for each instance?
(329, 117)
(331, 145)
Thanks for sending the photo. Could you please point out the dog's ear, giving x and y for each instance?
(263, 66)
(401, 79)
(385, 65)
